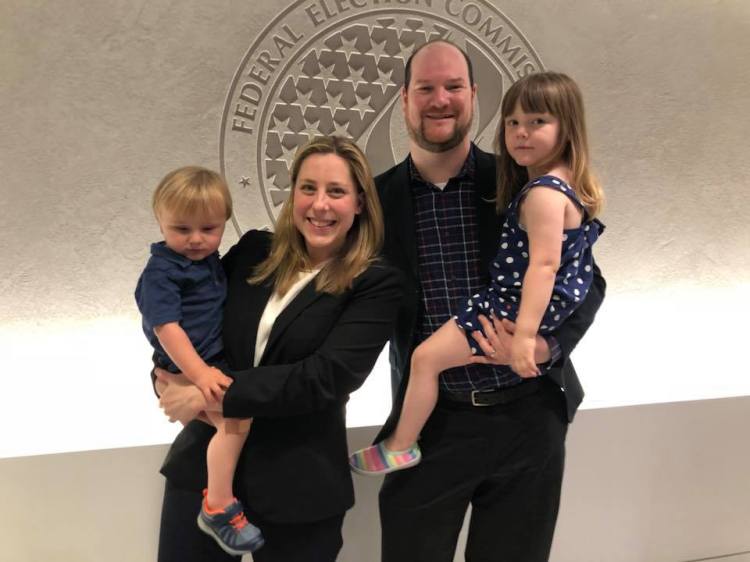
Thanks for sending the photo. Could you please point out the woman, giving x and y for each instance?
(308, 310)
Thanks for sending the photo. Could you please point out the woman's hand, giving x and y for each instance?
(180, 399)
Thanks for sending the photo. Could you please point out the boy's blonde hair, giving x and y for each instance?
(289, 255)
(192, 191)
(557, 94)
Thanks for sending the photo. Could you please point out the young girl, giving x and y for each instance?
(543, 268)
(181, 294)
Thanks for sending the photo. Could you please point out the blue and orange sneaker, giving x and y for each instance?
(230, 528)
(377, 459)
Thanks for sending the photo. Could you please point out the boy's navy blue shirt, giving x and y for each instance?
(173, 288)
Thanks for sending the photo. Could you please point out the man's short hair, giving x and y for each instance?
(407, 68)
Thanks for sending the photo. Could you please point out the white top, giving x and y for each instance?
(275, 305)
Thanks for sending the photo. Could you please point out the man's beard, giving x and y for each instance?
(458, 136)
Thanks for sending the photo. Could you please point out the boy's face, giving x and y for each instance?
(195, 237)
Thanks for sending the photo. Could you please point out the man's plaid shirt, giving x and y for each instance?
(449, 266)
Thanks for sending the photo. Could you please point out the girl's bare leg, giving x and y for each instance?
(444, 349)
(222, 456)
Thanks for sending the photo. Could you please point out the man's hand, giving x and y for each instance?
(497, 341)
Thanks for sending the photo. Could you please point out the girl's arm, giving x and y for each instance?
(177, 344)
(543, 215)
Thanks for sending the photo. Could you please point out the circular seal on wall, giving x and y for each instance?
(336, 67)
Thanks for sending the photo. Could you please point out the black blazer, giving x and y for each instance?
(294, 466)
(400, 249)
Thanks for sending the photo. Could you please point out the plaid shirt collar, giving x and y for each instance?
(467, 171)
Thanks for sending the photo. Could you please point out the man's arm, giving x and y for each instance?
(573, 329)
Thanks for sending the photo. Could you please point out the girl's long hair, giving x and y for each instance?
(557, 94)
(289, 257)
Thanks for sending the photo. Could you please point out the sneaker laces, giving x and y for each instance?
(238, 521)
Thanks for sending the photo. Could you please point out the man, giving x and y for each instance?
(505, 456)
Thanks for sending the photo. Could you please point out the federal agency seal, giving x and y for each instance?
(335, 67)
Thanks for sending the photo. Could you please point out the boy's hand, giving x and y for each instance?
(212, 383)
(522, 356)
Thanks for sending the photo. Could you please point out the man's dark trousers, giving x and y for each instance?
(505, 460)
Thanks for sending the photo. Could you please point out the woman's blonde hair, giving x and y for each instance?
(192, 191)
(289, 255)
(557, 94)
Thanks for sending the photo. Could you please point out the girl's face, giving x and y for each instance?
(531, 139)
(325, 204)
(195, 237)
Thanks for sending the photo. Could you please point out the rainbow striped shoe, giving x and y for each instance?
(377, 459)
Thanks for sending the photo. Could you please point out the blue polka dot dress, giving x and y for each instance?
(572, 281)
